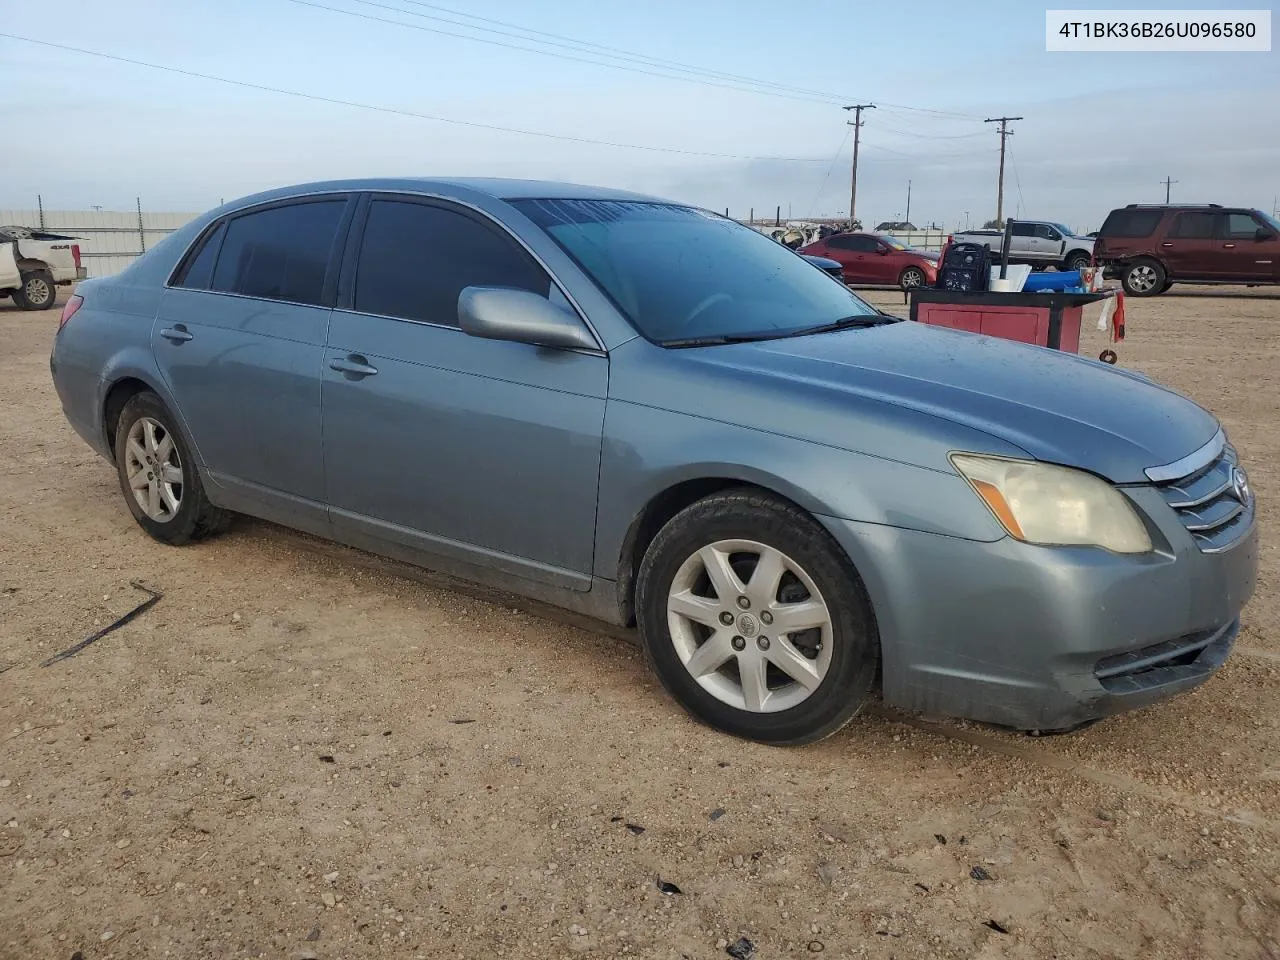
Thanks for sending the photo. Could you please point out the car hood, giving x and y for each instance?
(1057, 407)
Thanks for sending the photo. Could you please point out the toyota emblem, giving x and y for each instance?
(1240, 485)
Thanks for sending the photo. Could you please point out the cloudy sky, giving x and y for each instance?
(756, 123)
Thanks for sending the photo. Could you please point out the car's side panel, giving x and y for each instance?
(648, 450)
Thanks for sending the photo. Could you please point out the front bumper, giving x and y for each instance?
(1046, 638)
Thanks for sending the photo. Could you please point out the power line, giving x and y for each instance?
(396, 111)
(1022, 203)
(824, 98)
(616, 52)
(813, 208)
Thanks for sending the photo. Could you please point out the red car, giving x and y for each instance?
(874, 258)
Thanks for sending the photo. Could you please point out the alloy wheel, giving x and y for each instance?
(750, 626)
(154, 469)
(1142, 278)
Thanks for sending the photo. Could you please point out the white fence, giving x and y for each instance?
(109, 239)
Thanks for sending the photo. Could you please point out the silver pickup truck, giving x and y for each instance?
(1039, 243)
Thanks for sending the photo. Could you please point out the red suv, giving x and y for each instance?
(1153, 247)
(875, 258)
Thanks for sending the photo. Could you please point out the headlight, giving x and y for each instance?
(1054, 506)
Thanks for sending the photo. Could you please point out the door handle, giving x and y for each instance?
(176, 334)
(353, 366)
(1228, 246)
(1166, 244)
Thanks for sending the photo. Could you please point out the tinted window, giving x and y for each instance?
(199, 269)
(680, 274)
(1024, 230)
(1193, 225)
(416, 259)
(1241, 226)
(858, 244)
(280, 253)
(1046, 232)
(1131, 223)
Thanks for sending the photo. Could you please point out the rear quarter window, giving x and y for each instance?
(1131, 223)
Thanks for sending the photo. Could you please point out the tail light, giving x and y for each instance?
(69, 310)
(75, 255)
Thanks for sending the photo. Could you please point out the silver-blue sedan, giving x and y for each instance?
(650, 413)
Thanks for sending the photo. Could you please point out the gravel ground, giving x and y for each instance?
(303, 751)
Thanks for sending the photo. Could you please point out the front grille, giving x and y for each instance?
(1208, 503)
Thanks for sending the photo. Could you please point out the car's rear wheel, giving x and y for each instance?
(910, 278)
(754, 620)
(158, 475)
(1143, 278)
(38, 291)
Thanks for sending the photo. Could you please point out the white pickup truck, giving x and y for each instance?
(1039, 243)
(33, 264)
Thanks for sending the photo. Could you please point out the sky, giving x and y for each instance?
(1100, 129)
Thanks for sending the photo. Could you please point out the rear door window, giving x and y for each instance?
(1131, 223)
(1193, 226)
(281, 253)
(416, 258)
(197, 274)
(1240, 226)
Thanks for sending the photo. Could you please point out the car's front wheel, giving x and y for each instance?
(1077, 261)
(158, 475)
(753, 619)
(911, 278)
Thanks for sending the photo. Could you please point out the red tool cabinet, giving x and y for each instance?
(1046, 319)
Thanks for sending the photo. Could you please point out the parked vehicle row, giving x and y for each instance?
(791, 494)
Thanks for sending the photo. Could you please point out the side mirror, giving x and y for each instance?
(1263, 234)
(502, 313)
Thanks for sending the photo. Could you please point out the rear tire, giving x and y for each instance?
(37, 292)
(158, 475)
(750, 676)
(1143, 277)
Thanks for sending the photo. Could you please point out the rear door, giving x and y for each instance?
(1189, 248)
(1247, 250)
(239, 339)
(1022, 243)
(486, 451)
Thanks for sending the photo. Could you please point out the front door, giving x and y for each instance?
(856, 252)
(481, 450)
(1189, 249)
(239, 340)
(1247, 250)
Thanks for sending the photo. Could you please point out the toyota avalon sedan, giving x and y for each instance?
(649, 413)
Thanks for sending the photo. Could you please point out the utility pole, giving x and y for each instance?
(1168, 182)
(908, 216)
(857, 109)
(1005, 134)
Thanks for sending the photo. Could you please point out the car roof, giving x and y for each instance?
(496, 188)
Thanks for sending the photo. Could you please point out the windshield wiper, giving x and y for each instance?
(847, 323)
(721, 339)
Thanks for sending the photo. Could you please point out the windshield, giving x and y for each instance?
(1063, 229)
(1269, 220)
(681, 274)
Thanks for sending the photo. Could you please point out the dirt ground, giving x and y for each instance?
(305, 752)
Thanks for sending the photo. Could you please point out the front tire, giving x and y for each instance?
(1077, 261)
(1143, 278)
(158, 475)
(37, 291)
(911, 278)
(754, 621)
